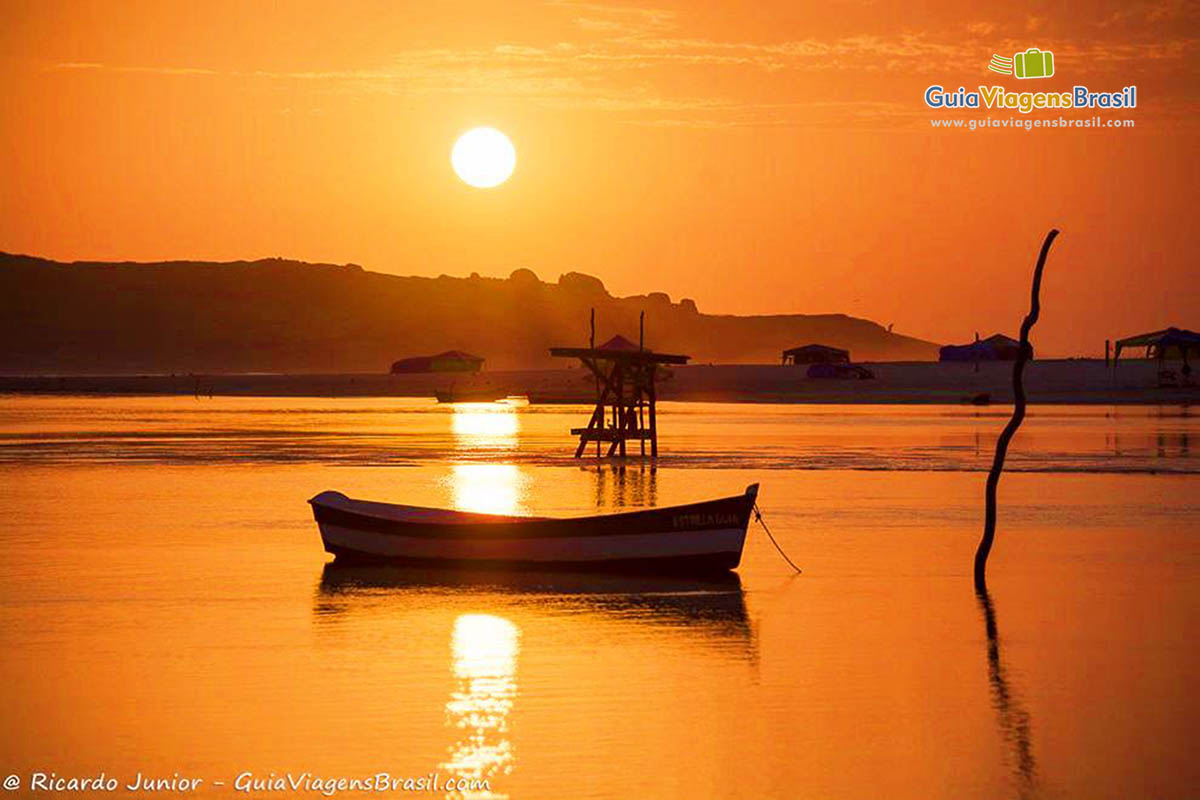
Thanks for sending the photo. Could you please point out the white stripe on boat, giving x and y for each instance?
(665, 544)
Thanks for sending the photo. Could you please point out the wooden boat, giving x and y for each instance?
(697, 538)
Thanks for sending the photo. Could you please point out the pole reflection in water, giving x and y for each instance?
(1015, 723)
(484, 650)
(622, 487)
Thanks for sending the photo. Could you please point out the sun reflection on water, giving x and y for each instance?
(489, 488)
(485, 426)
(485, 651)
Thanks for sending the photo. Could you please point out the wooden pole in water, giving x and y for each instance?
(592, 345)
(1018, 416)
(653, 418)
(641, 379)
(641, 406)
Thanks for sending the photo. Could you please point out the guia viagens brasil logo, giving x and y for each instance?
(1031, 63)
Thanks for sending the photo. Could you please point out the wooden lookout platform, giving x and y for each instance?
(625, 396)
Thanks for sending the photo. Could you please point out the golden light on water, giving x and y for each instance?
(485, 425)
(488, 488)
(484, 649)
(484, 646)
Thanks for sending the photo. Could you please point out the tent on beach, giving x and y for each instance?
(994, 348)
(816, 354)
(1173, 343)
(1167, 343)
(619, 343)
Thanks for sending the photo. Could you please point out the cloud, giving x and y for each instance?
(159, 70)
(628, 20)
(624, 59)
(1150, 14)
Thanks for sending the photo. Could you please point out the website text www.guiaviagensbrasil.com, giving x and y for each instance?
(1026, 124)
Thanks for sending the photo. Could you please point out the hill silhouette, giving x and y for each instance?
(277, 315)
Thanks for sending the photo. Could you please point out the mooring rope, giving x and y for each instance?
(759, 519)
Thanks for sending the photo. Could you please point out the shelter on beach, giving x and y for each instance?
(449, 361)
(625, 394)
(994, 348)
(816, 354)
(1169, 343)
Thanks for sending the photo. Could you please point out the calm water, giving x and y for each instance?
(165, 605)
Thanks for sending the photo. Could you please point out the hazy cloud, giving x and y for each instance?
(618, 55)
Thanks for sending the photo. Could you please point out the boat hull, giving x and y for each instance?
(699, 538)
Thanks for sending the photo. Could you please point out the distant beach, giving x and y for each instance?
(1067, 381)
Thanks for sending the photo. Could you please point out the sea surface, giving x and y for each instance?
(166, 608)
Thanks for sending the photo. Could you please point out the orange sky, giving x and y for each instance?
(766, 157)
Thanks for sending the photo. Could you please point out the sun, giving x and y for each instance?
(483, 157)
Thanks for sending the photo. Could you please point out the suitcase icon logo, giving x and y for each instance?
(1033, 63)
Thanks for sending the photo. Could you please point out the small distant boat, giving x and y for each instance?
(698, 538)
(561, 399)
(452, 395)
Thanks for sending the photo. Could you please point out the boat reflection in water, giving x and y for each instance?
(484, 656)
(701, 610)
